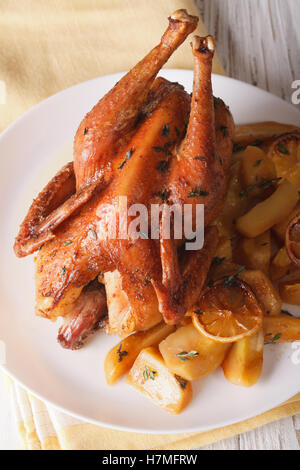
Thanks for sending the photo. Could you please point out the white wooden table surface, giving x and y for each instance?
(258, 42)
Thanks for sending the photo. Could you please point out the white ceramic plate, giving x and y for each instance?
(31, 150)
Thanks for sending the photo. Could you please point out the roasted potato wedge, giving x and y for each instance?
(285, 153)
(290, 292)
(150, 376)
(121, 357)
(281, 265)
(293, 176)
(224, 250)
(281, 329)
(256, 167)
(208, 354)
(234, 205)
(264, 291)
(269, 212)
(254, 253)
(222, 269)
(244, 361)
(248, 133)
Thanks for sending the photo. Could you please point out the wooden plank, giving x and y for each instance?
(280, 435)
(232, 443)
(256, 40)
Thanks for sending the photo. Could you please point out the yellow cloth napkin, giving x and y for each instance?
(43, 427)
(49, 46)
(46, 47)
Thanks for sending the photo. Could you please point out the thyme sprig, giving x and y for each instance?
(149, 374)
(187, 355)
(127, 157)
(265, 184)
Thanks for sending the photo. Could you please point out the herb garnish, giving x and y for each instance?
(121, 353)
(198, 312)
(163, 195)
(217, 261)
(94, 234)
(201, 159)
(275, 337)
(263, 185)
(67, 242)
(187, 355)
(257, 163)
(256, 143)
(195, 192)
(182, 382)
(149, 374)
(128, 156)
(162, 166)
(224, 130)
(238, 147)
(164, 149)
(48, 294)
(166, 131)
(230, 281)
(282, 149)
(216, 102)
(85, 130)
(177, 131)
(64, 270)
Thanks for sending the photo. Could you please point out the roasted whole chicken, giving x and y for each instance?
(149, 140)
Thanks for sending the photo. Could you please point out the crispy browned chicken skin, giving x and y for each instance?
(134, 143)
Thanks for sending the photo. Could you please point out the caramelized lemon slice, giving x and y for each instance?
(228, 311)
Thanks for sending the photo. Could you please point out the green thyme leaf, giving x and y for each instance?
(166, 131)
(224, 130)
(149, 374)
(231, 280)
(257, 163)
(217, 261)
(216, 102)
(121, 353)
(238, 147)
(187, 355)
(128, 156)
(67, 242)
(282, 149)
(201, 159)
(265, 184)
(93, 233)
(198, 312)
(275, 338)
(162, 166)
(177, 131)
(197, 192)
(256, 143)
